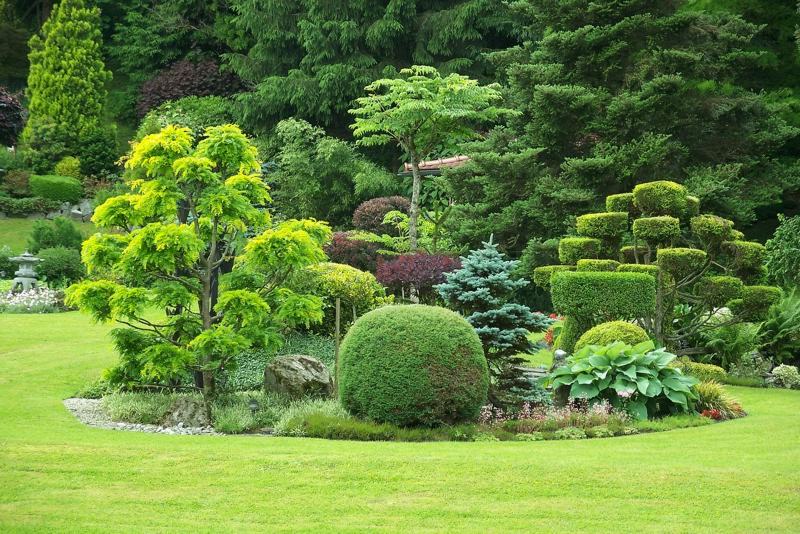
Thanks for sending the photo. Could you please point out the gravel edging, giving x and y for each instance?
(90, 412)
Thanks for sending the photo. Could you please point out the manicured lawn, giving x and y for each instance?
(55, 474)
(15, 232)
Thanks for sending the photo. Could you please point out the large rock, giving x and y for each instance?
(189, 411)
(298, 375)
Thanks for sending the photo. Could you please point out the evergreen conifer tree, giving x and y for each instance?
(311, 58)
(482, 290)
(613, 94)
(66, 83)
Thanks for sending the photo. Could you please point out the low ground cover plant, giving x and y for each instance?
(636, 378)
(37, 300)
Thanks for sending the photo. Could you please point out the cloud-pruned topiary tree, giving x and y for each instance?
(482, 290)
(673, 258)
(185, 224)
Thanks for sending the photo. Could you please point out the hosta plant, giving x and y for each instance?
(637, 378)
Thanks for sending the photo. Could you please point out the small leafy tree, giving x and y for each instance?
(423, 113)
(183, 226)
(66, 84)
(482, 290)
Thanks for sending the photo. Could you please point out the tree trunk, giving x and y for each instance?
(413, 220)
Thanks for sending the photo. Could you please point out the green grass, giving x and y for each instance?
(15, 232)
(56, 474)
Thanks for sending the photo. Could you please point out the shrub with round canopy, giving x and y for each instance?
(607, 333)
(358, 291)
(413, 365)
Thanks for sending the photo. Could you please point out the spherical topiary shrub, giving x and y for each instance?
(606, 333)
(413, 365)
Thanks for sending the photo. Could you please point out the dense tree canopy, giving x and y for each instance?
(311, 169)
(312, 58)
(616, 96)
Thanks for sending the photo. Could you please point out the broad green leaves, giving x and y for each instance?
(634, 377)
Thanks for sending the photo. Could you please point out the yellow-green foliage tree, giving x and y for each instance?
(66, 82)
(652, 253)
(179, 242)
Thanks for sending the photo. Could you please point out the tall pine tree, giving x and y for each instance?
(482, 290)
(311, 58)
(617, 93)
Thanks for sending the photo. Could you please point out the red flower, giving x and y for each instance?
(548, 336)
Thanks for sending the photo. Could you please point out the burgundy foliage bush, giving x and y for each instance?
(11, 118)
(369, 214)
(354, 252)
(422, 270)
(186, 78)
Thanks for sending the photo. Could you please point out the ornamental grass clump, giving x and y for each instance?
(715, 402)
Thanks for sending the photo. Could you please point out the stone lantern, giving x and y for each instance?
(25, 278)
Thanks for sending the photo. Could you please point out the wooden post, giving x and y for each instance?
(336, 350)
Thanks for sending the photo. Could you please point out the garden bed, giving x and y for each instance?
(318, 418)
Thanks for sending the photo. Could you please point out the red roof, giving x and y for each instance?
(434, 164)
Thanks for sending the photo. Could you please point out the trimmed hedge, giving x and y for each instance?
(716, 291)
(663, 229)
(58, 188)
(652, 270)
(571, 331)
(704, 372)
(607, 333)
(20, 207)
(572, 249)
(755, 302)
(681, 262)
(609, 295)
(627, 254)
(542, 275)
(692, 206)
(661, 198)
(610, 225)
(620, 202)
(413, 365)
(597, 265)
(711, 229)
(747, 255)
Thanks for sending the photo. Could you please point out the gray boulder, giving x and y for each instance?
(189, 411)
(298, 375)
